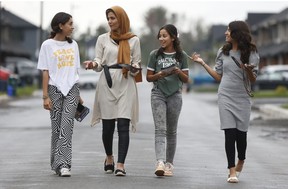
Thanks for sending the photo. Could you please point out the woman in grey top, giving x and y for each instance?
(233, 100)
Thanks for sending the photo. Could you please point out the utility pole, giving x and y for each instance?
(1, 58)
(40, 43)
(39, 32)
(41, 24)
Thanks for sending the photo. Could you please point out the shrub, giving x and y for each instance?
(281, 90)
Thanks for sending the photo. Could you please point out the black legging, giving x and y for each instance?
(233, 136)
(123, 133)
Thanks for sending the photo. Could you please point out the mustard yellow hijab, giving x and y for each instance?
(122, 37)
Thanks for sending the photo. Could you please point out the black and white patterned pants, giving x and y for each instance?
(62, 122)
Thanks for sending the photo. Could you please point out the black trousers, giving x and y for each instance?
(232, 137)
(123, 134)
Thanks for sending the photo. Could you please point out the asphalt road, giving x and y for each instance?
(200, 161)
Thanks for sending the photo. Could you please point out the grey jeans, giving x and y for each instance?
(166, 111)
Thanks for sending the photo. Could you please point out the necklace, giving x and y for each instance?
(60, 43)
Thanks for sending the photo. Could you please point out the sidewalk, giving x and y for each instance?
(271, 107)
(3, 98)
(273, 111)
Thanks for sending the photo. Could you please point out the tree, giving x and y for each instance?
(87, 41)
(154, 19)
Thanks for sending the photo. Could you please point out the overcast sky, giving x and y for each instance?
(92, 13)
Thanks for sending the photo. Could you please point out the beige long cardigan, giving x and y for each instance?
(121, 100)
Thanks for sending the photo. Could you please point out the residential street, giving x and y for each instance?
(200, 161)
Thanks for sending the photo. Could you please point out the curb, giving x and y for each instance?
(274, 111)
(4, 98)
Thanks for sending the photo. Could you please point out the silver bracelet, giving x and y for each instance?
(96, 65)
(45, 97)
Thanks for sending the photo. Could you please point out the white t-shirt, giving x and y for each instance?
(62, 60)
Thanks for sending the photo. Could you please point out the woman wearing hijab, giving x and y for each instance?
(116, 99)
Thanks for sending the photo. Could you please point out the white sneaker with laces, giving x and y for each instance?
(160, 168)
(168, 169)
(65, 172)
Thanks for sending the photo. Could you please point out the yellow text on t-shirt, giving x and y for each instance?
(65, 57)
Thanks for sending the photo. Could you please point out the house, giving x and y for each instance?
(269, 32)
(256, 18)
(217, 36)
(17, 37)
(272, 39)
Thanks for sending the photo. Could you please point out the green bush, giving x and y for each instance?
(278, 92)
(285, 106)
(281, 90)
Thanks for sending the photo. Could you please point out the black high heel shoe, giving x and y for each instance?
(109, 168)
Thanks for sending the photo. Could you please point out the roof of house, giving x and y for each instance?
(8, 18)
(256, 18)
(217, 33)
(271, 20)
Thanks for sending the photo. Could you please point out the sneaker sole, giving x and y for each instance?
(159, 173)
(109, 171)
(119, 172)
(65, 175)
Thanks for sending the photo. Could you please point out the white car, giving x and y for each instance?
(24, 68)
(270, 77)
(88, 79)
(274, 68)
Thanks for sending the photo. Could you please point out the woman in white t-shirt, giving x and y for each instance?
(59, 61)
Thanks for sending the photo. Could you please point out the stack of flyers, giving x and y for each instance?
(168, 70)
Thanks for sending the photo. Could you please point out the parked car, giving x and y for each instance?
(4, 73)
(200, 77)
(270, 77)
(4, 76)
(25, 68)
(88, 79)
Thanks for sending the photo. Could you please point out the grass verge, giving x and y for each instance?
(25, 91)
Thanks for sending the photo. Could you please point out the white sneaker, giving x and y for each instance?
(160, 168)
(168, 169)
(65, 172)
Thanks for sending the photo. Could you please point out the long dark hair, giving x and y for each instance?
(239, 31)
(172, 31)
(59, 18)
